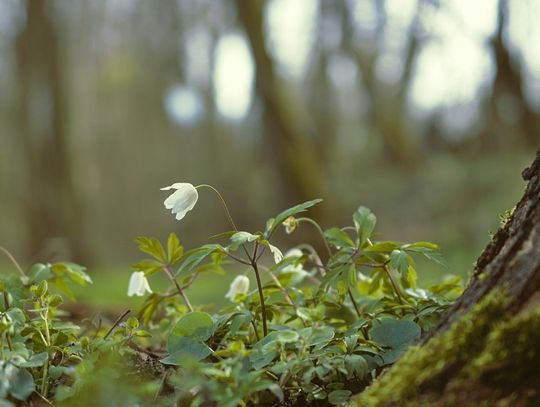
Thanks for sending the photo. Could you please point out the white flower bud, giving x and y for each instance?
(240, 285)
(182, 200)
(138, 284)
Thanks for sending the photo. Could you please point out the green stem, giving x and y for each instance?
(355, 305)
(260, 288)
(44, 380)
(223, 203)
(10, 257)
(321, 233)
(178, 287)
(226, 209)
(394, 286)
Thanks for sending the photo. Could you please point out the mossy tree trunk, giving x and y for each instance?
(486, 349)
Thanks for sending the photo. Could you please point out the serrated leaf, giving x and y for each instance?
(75, 272)
(400, 260)
(194, 257)
(338, 238)
(364, 222)
(151, 246)
(174, 249)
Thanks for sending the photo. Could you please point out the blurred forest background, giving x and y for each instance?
(425, 111)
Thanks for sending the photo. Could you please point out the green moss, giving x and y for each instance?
(512, 353)
(427, 365)
(484, 359)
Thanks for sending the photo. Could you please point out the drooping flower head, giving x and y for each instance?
(182, 200)
(138, 284)
(240, 285)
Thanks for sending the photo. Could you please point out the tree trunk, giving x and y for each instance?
(52, 210)
(486, 349)
(291, 150)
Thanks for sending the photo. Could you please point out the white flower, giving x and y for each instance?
(278, 256)
(240, 285)
(138, 284)
(182, 200)
(294, 266)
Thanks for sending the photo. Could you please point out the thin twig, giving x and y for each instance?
(43, 398)
(238, 259)
(353, 302)
(118, 320)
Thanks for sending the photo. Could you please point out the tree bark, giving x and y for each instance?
(486, 349)
(293, 152)
(52, 210)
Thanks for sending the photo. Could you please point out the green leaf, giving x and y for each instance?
(338, 238)
(240, 238)
(36, 360)
(321, 335)
(437, 257)
(194, 257)
(196, 325)
(186, 348)
(421, 245)
(383, 247)
(73, 271)
(338, 397)
(364, 222)
(400, 261)
(278, 220)
(174, 249)
(394, 333)
(148, 266)
(287, 336)
(151, 246)
(39, 272)
(22, 386)
(357, 366)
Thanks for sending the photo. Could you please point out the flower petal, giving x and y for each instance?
(182, 200)
(240, 285)
(278, 256)
(134, 283)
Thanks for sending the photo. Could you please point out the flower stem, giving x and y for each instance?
(225, 208)
(10, 256)
(321, 233)
(223, 203)
(169, 273)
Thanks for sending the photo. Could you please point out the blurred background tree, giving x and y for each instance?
(426, 111)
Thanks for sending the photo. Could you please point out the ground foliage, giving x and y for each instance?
(316, 329)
